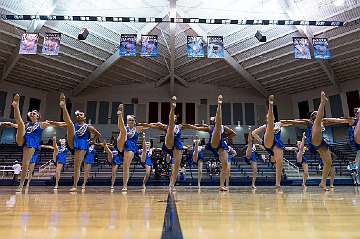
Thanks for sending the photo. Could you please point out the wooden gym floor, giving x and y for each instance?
(187, 213)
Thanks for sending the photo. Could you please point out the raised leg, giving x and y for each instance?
(27, 154)
(200, 166)
(122, 129)
(169, 137)
(316, 137)
(278, 155)
(59, 167)
(223, 156)
(67, 119)
(196, 151)
(113, 175)
(128, 156)
(87, 168)
(269, 132)
(20, 132)
(175, 169)
(216, 135)
(147, 175)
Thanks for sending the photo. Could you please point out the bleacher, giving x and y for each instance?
(241, 172)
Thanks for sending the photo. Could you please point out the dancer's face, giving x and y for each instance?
(175, 119)
(130, 121)
(80, 116)
(212, 121)
(355, 111)
(62, 142)
(34, 116)
(313, 115)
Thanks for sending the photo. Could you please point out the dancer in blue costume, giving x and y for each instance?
(78, 134)
(173, 144)
(145, 157)
(301, 160)
(198, 157)
(114, 158)
(217, 144)
(231, 154)
(315, 141)
(60, 154)
(272, 140)
(28, 136)
(250, 157)
(127, 141)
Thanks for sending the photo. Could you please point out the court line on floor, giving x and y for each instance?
(171, 227)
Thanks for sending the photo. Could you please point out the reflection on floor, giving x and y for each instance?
(240, 213)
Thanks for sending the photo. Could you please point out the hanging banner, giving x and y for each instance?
(28, 43)
(128, 45)
(149, 45)
(301, 48)
(215, 47)
(51, 44)
(321, 48)
(195, 46)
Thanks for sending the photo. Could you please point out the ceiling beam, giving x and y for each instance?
(35, 26)
(172, 14)
(111, 61)
(233, 63)
(290, 8)
(182, 81)
(162, 81)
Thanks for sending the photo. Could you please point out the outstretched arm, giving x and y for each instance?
(229, 132)
(56, 123)
(8, 125)
(196, 127)
(96, 134)
(296, 122)
(255, 133)
(335, 121)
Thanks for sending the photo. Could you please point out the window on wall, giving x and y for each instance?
(336, 106)
(303, 109)
(153, 112)
(34, 104)
(103, 112)
(3, 95)
(128, 110)
(276, 114)
(226, 113)
(114, 107)
(21, 106)
(213, 109)
(353, 101)
(316, 103)
(190, 113)
(165, 110)
(238, 113)
(249, 114)
(91, 112)
(179, 112)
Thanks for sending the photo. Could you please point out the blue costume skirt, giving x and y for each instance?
(131, 146)
(31, 142)
(223, 145)
(80, 143)
(89, 159)
(35, 158)
(61, 159)
(148, 162)
(251, 159)
(116, 160)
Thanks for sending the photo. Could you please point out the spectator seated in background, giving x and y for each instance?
(353, 169)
